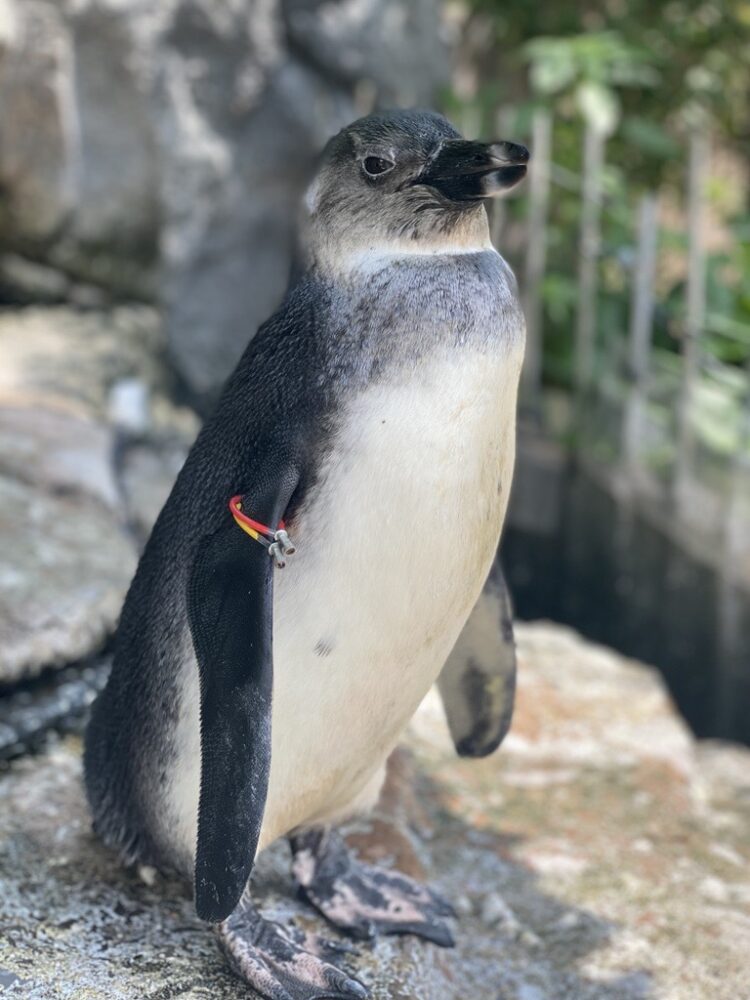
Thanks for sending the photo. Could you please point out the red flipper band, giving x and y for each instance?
(260, 532)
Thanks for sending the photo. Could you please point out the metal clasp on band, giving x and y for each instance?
(276, 542)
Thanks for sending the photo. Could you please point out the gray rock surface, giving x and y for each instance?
(73, 385)
(36, 131)
(53, 704)
(68, 359)
(601, 855)
(184, 132)
(66, 565)
(147, 473)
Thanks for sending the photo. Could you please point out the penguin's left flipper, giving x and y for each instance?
(478, 681)
(230, 607)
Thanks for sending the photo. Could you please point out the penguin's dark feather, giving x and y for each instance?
(262, 442)
(478, 681)
(230, 598)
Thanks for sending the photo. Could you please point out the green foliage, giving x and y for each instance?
(591, 68)
(639, 69)
(645, 73)
(659, 58)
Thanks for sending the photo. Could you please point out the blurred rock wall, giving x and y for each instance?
(157, 150)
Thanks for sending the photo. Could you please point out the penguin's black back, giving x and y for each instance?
(274, 404)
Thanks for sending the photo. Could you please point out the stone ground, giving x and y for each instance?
(600, 855)
(90, 443)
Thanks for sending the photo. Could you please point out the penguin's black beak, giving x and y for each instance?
(465, 171)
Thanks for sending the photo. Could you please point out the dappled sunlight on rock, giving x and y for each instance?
(618, 872)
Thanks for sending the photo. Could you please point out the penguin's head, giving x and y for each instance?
(406, 181)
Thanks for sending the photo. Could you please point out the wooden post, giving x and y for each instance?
(470, 121)
(536, 251)
(593, 163)
(641, 320)
(695, 305)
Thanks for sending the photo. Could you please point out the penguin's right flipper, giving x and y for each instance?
(478, 681)
(230, 609)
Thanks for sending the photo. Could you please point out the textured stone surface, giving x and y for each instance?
(74, 388)
(184, 132)
(67, 359)
(57, 452)
(66, 565)
(147, 474)
(601, 855)
(55, 703)
(36, 134)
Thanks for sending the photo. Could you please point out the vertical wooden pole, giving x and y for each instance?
(642, 303)
(593, 163)
(641, 322)
(470, 121)
(536, 252)
(695, 305)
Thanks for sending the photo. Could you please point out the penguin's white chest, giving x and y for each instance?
(394, 546)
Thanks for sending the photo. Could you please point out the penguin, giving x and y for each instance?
(478, 682)
(316, 563)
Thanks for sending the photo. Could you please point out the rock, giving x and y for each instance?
(354, 43)
(147, 474)
(66, 566)
(65, 359)
(627, 926)
(246, 162)
(128, 406)
(57, 452)
(671, 920)
(72, 387)
(185, 132)
(497, 913)
(24, 282)
(53, 704)
(37, 135)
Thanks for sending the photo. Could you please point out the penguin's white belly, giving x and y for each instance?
(393, 550)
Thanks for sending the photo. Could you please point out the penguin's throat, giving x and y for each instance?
(376, 257)
(358, 250)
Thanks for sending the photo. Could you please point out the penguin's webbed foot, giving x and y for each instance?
(364, 901)
(285, 964)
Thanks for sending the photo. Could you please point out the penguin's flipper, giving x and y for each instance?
(230, 610)
(478, 681)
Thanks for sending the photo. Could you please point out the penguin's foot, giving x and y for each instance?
(285, 964)
(361, 900)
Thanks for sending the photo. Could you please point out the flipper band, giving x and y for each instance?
(260, 532)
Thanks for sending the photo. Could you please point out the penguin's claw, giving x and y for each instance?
(284, 965)
(280, 547)
(364, 901)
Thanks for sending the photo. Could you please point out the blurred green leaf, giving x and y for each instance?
(651, 137)
(599, 106)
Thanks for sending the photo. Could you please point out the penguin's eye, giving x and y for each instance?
(375, 165)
